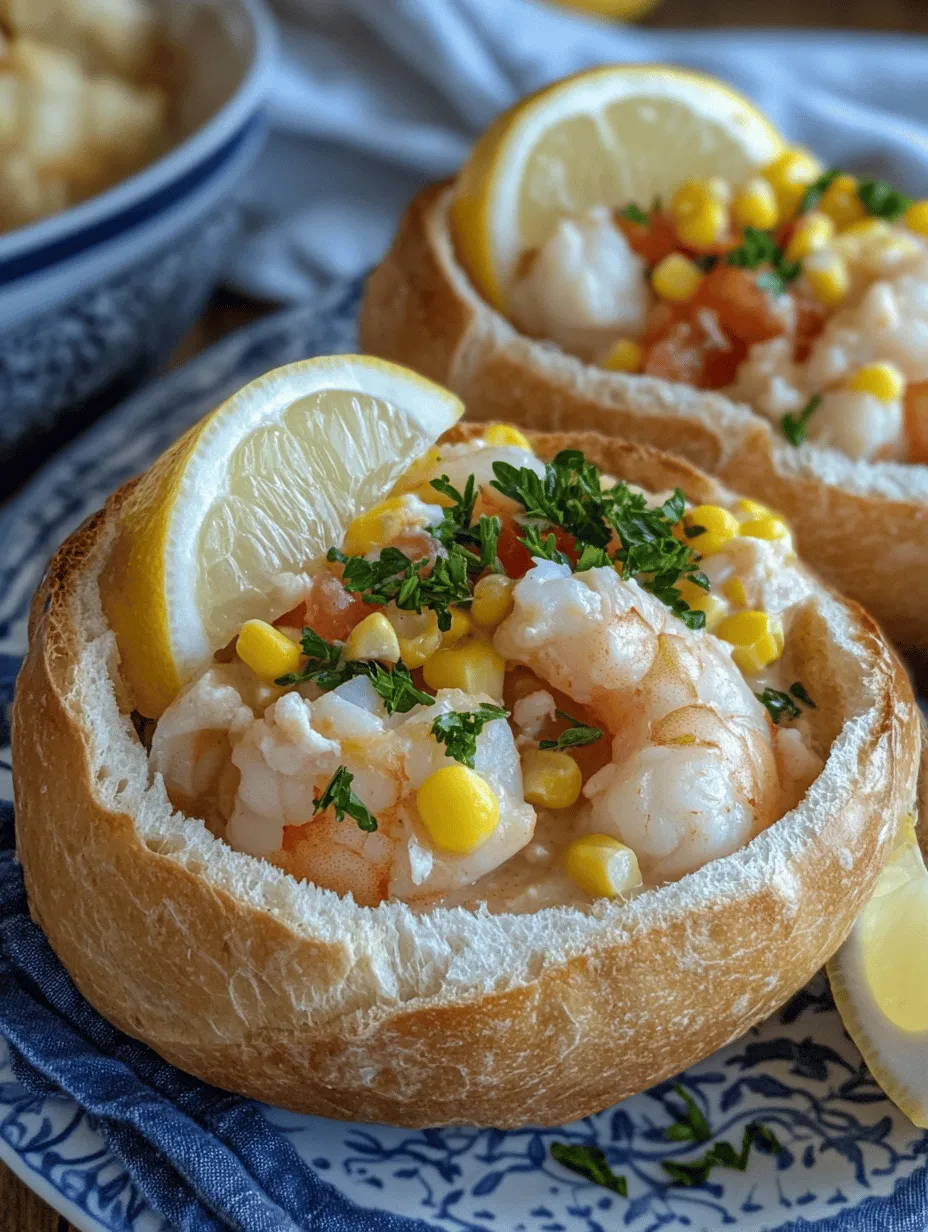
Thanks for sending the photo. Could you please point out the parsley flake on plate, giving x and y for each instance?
(590, 1162)
(692, 1126)
(458, 730)
(339, 796)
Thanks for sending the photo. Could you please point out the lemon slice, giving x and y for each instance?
(879, 978)
(225, 525)
(609, 136)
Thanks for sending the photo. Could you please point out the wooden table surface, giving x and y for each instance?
(20, 1209)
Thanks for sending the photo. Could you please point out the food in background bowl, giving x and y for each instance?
(392, 770)
(81, 104)
(635, 250)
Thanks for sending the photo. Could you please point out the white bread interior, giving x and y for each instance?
(285, 992)
(864, 525)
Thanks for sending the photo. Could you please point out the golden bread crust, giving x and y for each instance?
(864, 526)
(286, 993)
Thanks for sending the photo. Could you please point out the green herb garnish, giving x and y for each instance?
(543, 547)
(591, 1163)
(813, 194)
(882, 200)
(794, 426)
(339, 796)
(458, 730)
(760, 248)
(722, 1155)
(692, 1126)
(395, 687)
(780, 706)
(577, 735)
(394, 577)
(798, 691)
(325, 670)
(322, 662)
(634, 213)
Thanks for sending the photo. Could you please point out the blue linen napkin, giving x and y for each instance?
(202, 1158)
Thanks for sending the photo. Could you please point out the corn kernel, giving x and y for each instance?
(703, 601)
(828, 277)
(551, 779)
(268, 652)
(868, 229)
(768, 526)
(373, 638)
(695, 193)
(719, 526)
(703, 227)
(916, 217)
(812, 233)
(734, 592)
(841, 202)
(625, 355)
(473, 666)
(755, 205)
(506, 434)
(757, 638)
(458, 809)
(676, 278)
(790, 174)
(418, 635)
(602, 866)
(492, 600)
(378, 526)
(882, 380)
(460, 627)
(746, 508)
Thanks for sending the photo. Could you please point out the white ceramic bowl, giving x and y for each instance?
(93, 298)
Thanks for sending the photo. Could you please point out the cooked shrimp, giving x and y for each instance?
(693, 774)
(287, 758)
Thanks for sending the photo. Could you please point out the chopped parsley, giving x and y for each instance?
(882, 200)
(589, 1162)
(692, 1126)
(794, 426)
(577, 735)
(760, 248)
(570, 497)
(339, 796)
(325, 670)
(458, 730)
(782, 706)
(456, 525)
(634, 213)
(394, 577)
(813, 194)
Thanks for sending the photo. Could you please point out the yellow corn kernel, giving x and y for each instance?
(734, 592)
(703, 601)
(755, 205)
(695, 193)
(460, 627)
(746, 509)
(812, 233)
(704, 227)
(458, 809)
(625, 355)
(790, 174)
(492, 600)
(767, 526)
(719, 526)
(602, 866)
(376, 527)
(676, 278)
(473, 666)
(916, 217)
(268, 652)
(373, 638)
(827, 274)
(418, 635)
(841, 202)
(551, 779)
(882, 380)
(757, 638)
(506, 434)
(868, 229)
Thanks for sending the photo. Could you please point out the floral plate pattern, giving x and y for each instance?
(851, 1162)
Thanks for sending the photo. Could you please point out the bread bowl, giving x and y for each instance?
(436, 304)
(235, 971)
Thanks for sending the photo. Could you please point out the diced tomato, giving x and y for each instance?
(328, 610)
(653, 240)
(678, 356)
(744, 310)
(916, 421)
(811, 316)
(682, 345)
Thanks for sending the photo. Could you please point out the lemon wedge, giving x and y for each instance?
(879, 978)
(225, 525)
(608, 136)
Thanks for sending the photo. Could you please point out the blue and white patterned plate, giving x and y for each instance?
(852, 1163)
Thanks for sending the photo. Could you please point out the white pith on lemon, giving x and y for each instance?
(608, 136)
(223, 525)
(879, 978)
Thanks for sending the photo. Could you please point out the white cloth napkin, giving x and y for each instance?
(373, 98)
